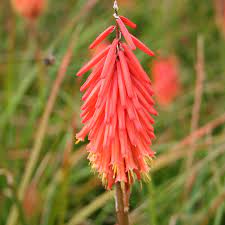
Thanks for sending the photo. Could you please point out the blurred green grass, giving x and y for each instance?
(66, 190)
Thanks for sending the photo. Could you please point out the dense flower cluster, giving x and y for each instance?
(30, 9)
(166, 84)
(118, 108)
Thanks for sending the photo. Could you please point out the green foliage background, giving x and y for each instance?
(69, 192)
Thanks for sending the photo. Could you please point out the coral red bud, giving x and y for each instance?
(110, 55)
(93, 62)
(106, 82)
(102, 36)
(114, 95)
(126, 34)
(126, 74)
(94, 76)
(128, 22)
(121, 83)
(134, 63)
(142, 46)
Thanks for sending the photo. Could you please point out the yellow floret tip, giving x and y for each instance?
(77, 141)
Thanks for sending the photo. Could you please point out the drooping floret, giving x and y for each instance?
(118, 108)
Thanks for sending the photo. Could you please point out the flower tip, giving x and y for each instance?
(152, 53)
(79, 73)
(102, 37)
(128, 22)
(153, 137)
(77, 141)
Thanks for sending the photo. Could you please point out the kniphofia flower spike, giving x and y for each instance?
(118, 108)
(30, 9)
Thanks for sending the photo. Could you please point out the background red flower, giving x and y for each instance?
(30, 9)
(166, 83)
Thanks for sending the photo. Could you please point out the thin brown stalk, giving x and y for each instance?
(200, 132)
(70, 24)
(218, 201)
(126, 198)
(41, 168)
(175, 153)
(136, 214)
(200, 73)
(170, 157)
(41, 131)
(121, 197)
(86, 188)
(96, 204)
(18, 154)
(122, 214)
(13, 194)
(77, 156)
(65, 169)
(70, 142)
(219, 9)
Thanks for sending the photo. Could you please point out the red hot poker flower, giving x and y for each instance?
(30, 9)
(166, 82)
(118, 108)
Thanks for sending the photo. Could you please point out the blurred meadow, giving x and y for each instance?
(45, 178)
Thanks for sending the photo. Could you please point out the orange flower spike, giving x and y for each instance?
(117, 111)
(128, 22)
(102, 36)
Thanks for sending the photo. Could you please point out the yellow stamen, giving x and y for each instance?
(77, 141)
(115, 169)
(146, 177)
